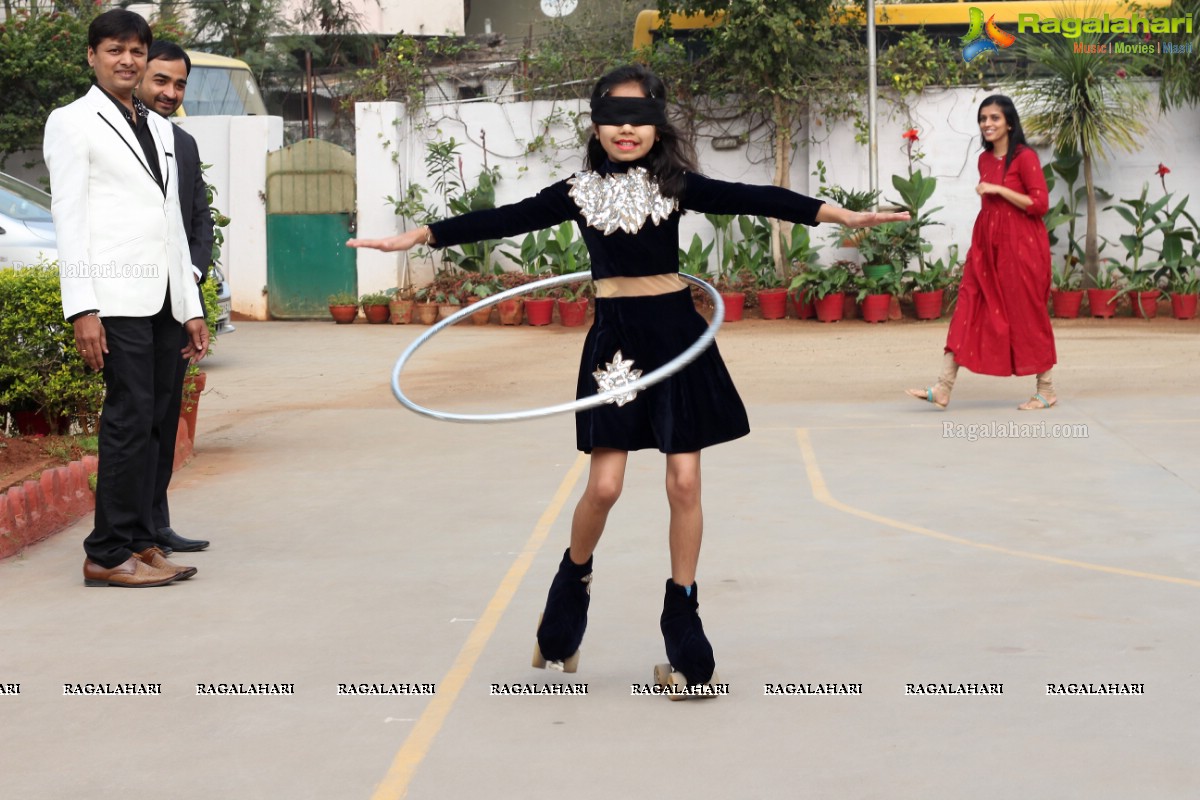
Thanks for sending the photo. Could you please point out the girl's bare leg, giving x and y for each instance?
(606, 476)
(687, 517)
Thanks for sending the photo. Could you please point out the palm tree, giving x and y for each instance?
(1084, 104)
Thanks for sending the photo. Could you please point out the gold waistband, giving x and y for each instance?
(639, 286)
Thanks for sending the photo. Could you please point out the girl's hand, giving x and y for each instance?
(869, 219)
(405, 241)
(988, 188)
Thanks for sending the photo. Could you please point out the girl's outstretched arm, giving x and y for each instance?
(404, 241)
(859, 219)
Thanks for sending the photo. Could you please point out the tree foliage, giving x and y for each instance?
(1085, 104)
(43, 67)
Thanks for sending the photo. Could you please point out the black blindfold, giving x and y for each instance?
(632, 110)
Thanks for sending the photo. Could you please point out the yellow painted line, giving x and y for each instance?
(822, 495)
(395, 784)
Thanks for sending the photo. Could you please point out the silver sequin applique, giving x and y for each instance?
(618, 374)
(621, 201)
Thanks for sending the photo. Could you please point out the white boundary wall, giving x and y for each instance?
(236, 148)
(391, 151)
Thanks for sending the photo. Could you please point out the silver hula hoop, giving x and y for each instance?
(665, 371)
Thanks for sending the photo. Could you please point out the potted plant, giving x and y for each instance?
(425, 309)
(1067, 293)
(928, 285)
(343, 307)
(889, 248)
(512, 310)
(400, 305)
(375, 307)
(694, 261)
(827, 287)
(1101, 297)
(476, 289)
(572, 304)
(875, 296)
(1142, 287)
(1183, 284)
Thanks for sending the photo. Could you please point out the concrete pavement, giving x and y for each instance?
(853, 540)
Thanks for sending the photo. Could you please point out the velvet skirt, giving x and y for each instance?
(693, 409)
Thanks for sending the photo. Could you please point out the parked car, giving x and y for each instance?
(26, 227)
(27, 236)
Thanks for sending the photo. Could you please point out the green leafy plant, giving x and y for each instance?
(818, 284)
(374, 299)
(343, 299)
(940, 274)
(895, 243)
(889, 283)
(752, 265)
(1067, 277)
(40, 369)
(694, 260)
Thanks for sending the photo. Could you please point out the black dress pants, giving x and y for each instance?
(167, 432)
(140, 370)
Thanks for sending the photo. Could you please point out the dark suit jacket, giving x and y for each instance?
(193, 201)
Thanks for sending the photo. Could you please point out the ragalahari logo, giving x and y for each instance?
(983, 37)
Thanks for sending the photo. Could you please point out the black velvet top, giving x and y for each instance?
(653, 249)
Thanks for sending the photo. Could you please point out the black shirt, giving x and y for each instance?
(653, 249)
(141, 130)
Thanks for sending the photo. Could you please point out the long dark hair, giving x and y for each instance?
(1016, 135)
(671, 156)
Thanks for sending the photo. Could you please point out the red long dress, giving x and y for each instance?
(1000, 324)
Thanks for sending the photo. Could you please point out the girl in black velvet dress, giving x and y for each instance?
(640, 175)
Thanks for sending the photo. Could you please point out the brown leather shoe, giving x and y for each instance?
(133, 574)
(155, 558)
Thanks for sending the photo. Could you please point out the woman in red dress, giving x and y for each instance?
(1000, 324)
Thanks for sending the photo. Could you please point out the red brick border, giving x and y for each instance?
(38, 509)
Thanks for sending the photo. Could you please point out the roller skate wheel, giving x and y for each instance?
(569, 664)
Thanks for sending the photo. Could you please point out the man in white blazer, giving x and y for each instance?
(127, 287)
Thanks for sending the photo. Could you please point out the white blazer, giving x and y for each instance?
(121, 240)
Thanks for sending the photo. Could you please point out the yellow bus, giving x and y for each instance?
(892, 20)
(220, 85)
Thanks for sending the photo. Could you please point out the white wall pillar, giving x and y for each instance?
(380, 158)
(236, 149)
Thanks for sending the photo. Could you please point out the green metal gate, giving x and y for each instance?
(310, 215)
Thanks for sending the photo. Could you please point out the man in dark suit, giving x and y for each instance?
(127, 287)
(162, 90)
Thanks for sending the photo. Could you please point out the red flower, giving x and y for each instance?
(1162, 170)
(910, 134)
(1121, 73)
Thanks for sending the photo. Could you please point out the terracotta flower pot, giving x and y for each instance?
(572, 313)
(446, 309)
(401, 311)
(425, 313)
(482, 317)
(849, 306)
(928, 305)
(1066, 303)
(772, 303)
(1183, 306)
(802, 306)
(831, 308)
(35, 423)
(875, 307)
(511, 310)
(193, 386)
(1098, 302)
(1145, 304)
(343, 315)
(376, 314)
(539, 310)
(735, 305)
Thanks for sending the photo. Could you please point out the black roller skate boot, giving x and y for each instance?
(691, 656)
(561, 626)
